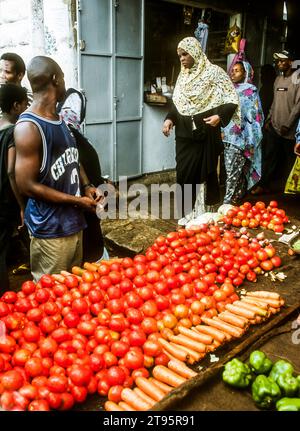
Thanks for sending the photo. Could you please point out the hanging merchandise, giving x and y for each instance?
(293, 182)
(201, 32)
(233, 39)
(240, 56)
(187, 15)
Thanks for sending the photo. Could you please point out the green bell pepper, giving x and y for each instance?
(259, 362)
(288, 405)
(288, 384)
(237, 374)
(298, 381)
(281, 367)
(265, 391)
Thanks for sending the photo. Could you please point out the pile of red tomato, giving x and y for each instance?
(259, 215)
(71, 336)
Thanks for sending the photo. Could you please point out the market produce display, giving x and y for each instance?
(272, 385)
(105, 327)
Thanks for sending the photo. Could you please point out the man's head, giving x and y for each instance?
(44, 74)
(13, 99)
(12, 68)
(284, 60)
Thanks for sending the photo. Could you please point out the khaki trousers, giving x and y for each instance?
(52, 255)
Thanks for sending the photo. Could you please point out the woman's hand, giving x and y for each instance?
(297, 149)
(167, 127)
(213, 120)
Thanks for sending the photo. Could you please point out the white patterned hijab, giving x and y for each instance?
(204, 86)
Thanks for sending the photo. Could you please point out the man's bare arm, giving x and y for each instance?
(28, 161)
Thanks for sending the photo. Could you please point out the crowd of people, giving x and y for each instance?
(43, 182)
(257, 131)
(48, 168)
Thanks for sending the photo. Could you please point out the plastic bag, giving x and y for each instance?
(233, 38)
(204, 218)
(293, 182)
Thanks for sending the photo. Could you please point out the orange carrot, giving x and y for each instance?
(257, 302)
(271, 302)
(202, 338)
(225, 327)
(181, 369)
(90, 267)
(264, 294)
(235, 309)
(76, 270)
(149, 388)
(110, 406)
(258, 310)
(188, 342)
(162, 373)
(195, 356)
(173, 350)
(134, 400)
(213, 332)
(165, 388)
(234, 320)
(59, 278)
(126, 407)
(215, 344)
(144, 396)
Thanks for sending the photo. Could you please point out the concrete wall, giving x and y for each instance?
(40, 27)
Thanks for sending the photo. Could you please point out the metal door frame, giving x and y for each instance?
(114, 56)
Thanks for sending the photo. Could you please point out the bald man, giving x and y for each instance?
(48, 172)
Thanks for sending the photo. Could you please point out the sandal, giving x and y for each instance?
(22, 269)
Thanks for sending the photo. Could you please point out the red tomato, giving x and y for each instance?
(119, 348)
(71, 319)
(161, 359)
(28, 287)
(276, 261)
(71, 281)
(267, 265)
(134, 359)
(80, 375)
(115, 376)
(114, 393)
(152, 348)
(134, 316)
(109, 359)
(47, 325)
(58, 383)
(133, 299)
(48, 347)
(80, 306)
(140, 372)
(11, 380)
(137, 338)
(149, 325)
(103, 387)
(46, 281)
(219, 295)
(39, 405)
(149, 308)
(145, 292)
(34, 367)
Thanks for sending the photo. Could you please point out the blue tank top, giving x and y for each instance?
(60, 171)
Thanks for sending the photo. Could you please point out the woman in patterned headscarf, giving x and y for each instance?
(204, 99)
(242, 144)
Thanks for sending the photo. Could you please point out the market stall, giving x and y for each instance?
(145, 333)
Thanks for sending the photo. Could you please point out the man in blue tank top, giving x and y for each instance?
(49, 173)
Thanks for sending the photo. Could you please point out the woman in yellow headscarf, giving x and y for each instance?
(204, 99)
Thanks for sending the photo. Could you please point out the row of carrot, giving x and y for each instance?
(190, 345)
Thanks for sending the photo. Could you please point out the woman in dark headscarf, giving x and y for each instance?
(204, 99)
(242, 144)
